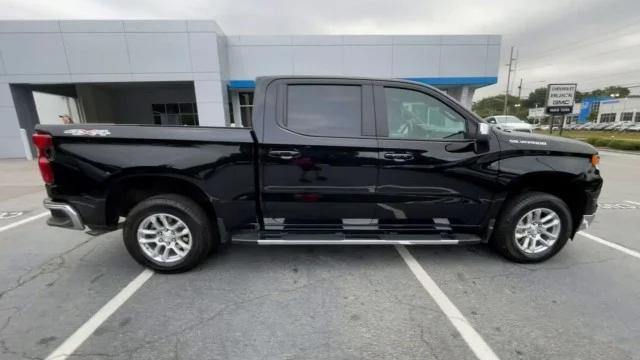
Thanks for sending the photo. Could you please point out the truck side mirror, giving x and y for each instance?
(482, 134)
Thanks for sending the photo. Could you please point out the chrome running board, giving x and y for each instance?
(346, 239)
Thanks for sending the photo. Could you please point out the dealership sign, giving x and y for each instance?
(560, 99)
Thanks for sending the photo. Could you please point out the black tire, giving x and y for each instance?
(503, 238)
(188, 212)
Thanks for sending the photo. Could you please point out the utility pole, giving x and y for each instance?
(506, 93)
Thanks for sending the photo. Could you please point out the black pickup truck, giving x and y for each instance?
(325, 161)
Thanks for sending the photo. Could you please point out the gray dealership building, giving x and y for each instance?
(190, 73)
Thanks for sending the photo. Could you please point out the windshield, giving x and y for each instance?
(508, 120)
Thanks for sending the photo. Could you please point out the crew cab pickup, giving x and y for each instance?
(325, 161)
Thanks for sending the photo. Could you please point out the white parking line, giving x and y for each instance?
(23, 221)
(79, 336)
(632, 202)
(479, 347)
(610, 244)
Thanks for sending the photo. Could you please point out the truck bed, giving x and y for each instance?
(93, 162)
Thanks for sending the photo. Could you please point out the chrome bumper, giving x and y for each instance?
(63, 215)
(586, 221)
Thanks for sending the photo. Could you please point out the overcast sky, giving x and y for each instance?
(591, 42)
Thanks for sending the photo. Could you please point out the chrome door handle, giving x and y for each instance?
(284, 154)
(398, 156)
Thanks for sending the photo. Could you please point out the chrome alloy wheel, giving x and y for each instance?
(537, 230)
(164, 238)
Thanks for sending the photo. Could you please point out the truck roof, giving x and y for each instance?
(314, 77)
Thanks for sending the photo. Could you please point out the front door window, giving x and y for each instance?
(413, 115)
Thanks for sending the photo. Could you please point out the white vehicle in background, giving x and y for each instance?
(509, 122)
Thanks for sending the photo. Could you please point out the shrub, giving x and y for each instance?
(591, 140)
(624, 144)
(620, 144)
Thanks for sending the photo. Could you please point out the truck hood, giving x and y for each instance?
(512, 140)
(514, 126)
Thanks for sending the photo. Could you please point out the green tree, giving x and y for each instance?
(494, 105)
(609, 90)
(536, 98)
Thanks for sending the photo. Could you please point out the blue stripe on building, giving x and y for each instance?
(471, 80)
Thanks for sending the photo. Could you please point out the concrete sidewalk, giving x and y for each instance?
(19, 177)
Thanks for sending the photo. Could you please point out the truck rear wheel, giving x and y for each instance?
(168, 233)
(533, 227)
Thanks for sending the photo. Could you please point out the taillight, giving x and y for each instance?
(44, 144)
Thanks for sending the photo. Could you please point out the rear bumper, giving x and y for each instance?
(63, 215)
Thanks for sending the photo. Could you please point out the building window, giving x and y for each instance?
(175, 114)
(626, 116)
(637, 118)
(246, 107)
(570, 119)
(595, 106)
(608, 117)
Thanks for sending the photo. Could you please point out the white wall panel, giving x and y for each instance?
(416, 60)
(461, 60)
(375, 61)
(464, 40)
(155, 26)
(204, 52)
(367, 40)
(97, 53)
(9, 122)
(417, 39)
(204, 26)
(158, 52)
(236, 63)
(316, 40)
(83, 78)
(493, 60)
(33, 53)
(11, 147)
(208, 90)
(91, 26)
(317, 60)
(266, 60)
(211, 114)
(264, 40)
(36, 78)
(29, 26)
(5, 95)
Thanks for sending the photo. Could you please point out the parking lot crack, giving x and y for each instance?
(224, 309)
(9, 318)
(4, 349)
(51, 266)
(428, 344)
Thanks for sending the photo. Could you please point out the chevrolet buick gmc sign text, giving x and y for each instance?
(560, 99)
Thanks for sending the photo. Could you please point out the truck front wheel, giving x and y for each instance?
(168, 233)
(533, 227)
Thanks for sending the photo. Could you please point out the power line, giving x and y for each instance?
(603, 53)
(589, 41)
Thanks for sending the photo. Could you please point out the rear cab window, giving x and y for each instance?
(324, 110)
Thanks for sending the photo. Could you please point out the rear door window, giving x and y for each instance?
(324, 110)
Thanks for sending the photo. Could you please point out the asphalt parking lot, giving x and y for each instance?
(251, 302)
